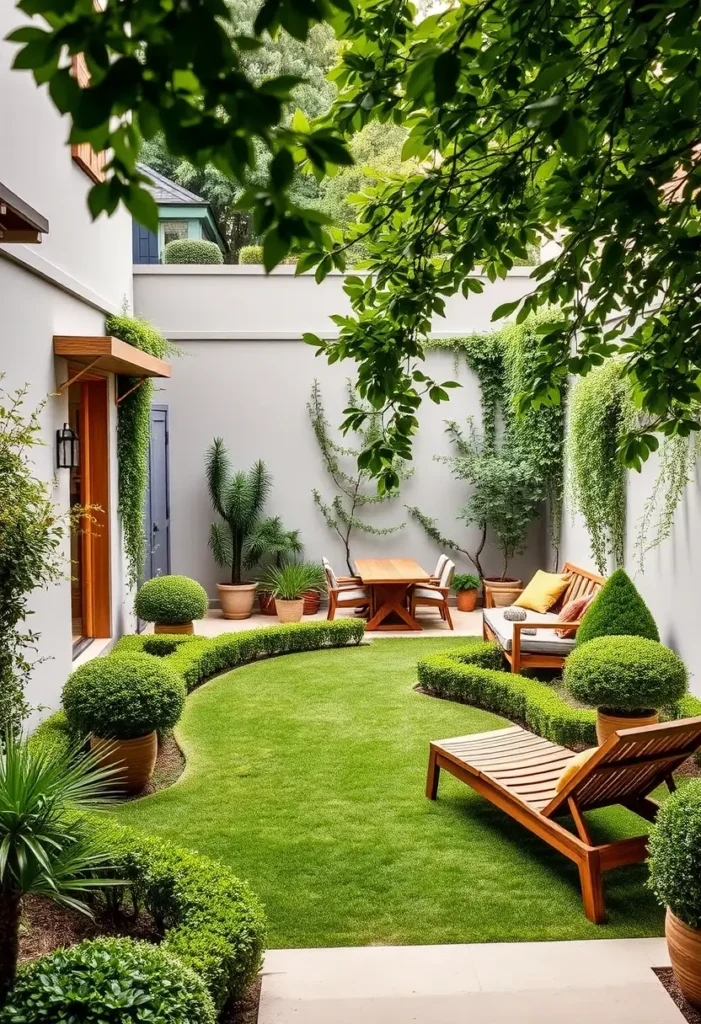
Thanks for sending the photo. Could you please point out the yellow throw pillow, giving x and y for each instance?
(543, 591)
(573, 767)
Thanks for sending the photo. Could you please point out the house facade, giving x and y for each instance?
(181, 214)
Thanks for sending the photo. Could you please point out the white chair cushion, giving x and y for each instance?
(352, 593)
(545, 641)
(434, 595)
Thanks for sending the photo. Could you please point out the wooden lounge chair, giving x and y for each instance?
(517, 771)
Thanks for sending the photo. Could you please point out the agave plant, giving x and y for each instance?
(292, 581)
(239, 498)
(46, 848)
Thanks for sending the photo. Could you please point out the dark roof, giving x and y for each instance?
(169, 192)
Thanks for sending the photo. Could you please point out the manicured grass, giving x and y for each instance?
(306, 775)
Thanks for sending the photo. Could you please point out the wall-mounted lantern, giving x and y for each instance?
(67, 448)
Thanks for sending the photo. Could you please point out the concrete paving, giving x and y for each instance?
(605, 981)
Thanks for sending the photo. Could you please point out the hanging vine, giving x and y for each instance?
(678, 457)
(133, 435)
(601, 411)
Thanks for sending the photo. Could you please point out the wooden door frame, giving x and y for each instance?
(94, 490)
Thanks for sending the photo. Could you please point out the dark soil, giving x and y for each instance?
(170, 764)
(691, 768)
(245, 1011)
(46, 926)
(666, 976)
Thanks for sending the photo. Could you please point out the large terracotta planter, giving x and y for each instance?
(312, 602)
(466, 600)
(608, 722)
(266, 603)
(183, 627)
(135, 758)
(498, 593)
(236, 602)
(289, 611)
(684, 944)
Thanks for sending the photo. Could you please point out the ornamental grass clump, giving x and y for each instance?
(123, 696)
(109, 981)
(617, 610)
(171, 601)
(291, 582)
(625, 674)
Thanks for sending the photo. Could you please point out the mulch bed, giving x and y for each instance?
(170, 764)
(666, 976)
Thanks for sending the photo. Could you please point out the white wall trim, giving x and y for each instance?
(38, 265)
(255, 270)
(173, 335)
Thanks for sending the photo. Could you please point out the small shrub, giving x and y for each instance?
(466, 581)
(109, 981)
(123, 696)
(52, 737)
(192, 250)
(675, 854)
(251, 254)
(625, 673)
(617, 610)
(208, 918)
(171, 600)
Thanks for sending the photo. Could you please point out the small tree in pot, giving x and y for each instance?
(466, 586)
(171, 603)
(289, 583)
(675, 878)
(239, 499)
(626, 678)
(123, 701)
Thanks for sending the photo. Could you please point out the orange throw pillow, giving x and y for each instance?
(573, 612)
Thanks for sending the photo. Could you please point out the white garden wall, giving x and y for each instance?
(247, 376)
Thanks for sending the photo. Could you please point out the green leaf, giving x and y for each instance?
(282, 169)
(275, 249)
(142, 207)
(505, 309)
(300, 122)
(446, 71)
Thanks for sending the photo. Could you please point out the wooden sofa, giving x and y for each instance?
(533, 652)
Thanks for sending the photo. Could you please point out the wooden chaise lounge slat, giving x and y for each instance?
(518, 772)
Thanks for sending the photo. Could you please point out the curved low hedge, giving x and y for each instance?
(474, 675)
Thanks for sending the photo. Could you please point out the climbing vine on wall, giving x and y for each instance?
(677, 458)
(601, 411)
(133, 433)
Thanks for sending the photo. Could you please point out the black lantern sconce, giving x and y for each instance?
(67, 448)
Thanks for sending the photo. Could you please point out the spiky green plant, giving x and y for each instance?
(239, 499)
(271, 538)
(45, 847)
(291, 582)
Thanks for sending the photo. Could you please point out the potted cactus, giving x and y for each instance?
(466, 586)
(289, 584)
(675, 878)
(122, 702)
(171, 603)
(626, 678)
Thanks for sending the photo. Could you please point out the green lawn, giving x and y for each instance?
(306, 775)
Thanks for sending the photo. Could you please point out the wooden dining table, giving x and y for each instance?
(389, 579)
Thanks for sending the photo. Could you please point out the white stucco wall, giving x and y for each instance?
(65, 285)
(246, 376)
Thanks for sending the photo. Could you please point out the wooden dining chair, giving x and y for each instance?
(348, 595)
(435, 596)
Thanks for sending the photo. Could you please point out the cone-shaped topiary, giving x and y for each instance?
(617, 610)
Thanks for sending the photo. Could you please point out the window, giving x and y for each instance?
(173, 230)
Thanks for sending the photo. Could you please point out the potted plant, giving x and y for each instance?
(122, 702)
(466, 586)
(171, 603)
(289, 583)
(238, 498)
(270, 538)
(626, 678)
(675, 878)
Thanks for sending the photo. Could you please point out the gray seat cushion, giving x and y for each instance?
(428, 592)
(351, 594)
(545, 641)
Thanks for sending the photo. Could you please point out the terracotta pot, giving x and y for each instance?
(136, 758)
(236, 602)
(684, 944)
(289, 611)
(500, 591)
(184, 627)
(608, 722)
(266, 603)
(312, 602)
(466, 600)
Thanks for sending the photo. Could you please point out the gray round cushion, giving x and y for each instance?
(514, 614)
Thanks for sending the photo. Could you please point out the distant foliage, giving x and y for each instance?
(617, 610)
(251, 254)
(192, 250)
(675, 854)
(625, 673)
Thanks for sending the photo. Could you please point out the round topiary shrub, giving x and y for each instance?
(617, 610)
(171, 600)
(625, 674)
(251, 254)
(123, 696)
(675, 854)
(192, 250)
(108, 981)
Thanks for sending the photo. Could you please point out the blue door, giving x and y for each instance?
(144, 244)
(157, 511)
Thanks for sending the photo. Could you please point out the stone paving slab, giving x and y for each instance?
(607, 981)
